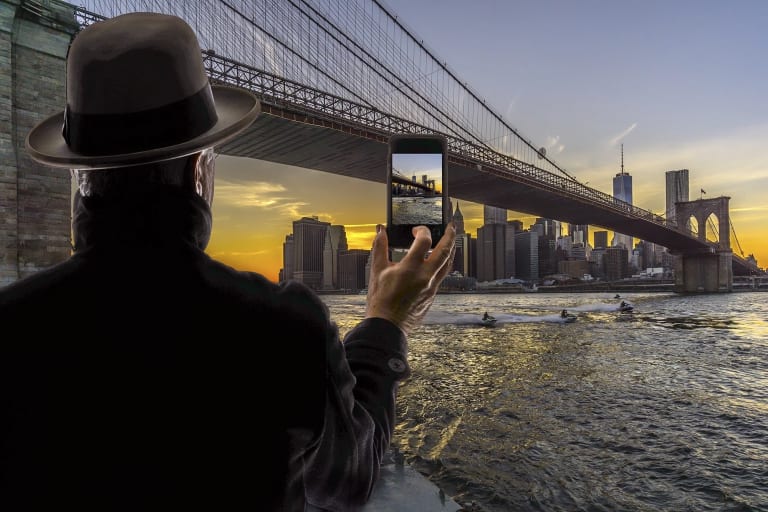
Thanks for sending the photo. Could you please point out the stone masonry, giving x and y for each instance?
(35, 200)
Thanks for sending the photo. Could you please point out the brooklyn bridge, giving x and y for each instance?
(336, 78)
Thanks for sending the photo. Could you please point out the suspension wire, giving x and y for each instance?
(733, 230)
(377, 62)
(472, 94)
(294, 52)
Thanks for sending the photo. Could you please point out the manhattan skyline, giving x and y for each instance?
(679, 84)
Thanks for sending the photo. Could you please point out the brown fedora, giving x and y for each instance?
(137, 92)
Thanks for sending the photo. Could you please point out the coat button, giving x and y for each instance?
(396, 365)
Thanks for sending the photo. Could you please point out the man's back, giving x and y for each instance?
(151, 377)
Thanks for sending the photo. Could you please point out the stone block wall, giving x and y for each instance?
(35, 200)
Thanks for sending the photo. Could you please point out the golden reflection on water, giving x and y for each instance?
(601, 413)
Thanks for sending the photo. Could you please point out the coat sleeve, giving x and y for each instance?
(364, 372)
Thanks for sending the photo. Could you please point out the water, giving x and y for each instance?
(417, 209)
(663, 409)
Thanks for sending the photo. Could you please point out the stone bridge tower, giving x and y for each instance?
(34, 199)
(711, 270)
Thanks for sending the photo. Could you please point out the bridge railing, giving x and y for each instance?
(293, 95)
(288, 94)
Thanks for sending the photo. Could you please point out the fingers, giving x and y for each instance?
(445, 247)
(444, 254)
(380, 250)
(422, 242)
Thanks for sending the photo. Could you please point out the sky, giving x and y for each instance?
(680, 84)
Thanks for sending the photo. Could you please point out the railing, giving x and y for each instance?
(283, 93)
(292, 95)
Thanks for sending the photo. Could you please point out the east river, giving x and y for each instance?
(661, 409)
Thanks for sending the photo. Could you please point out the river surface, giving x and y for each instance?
(661, 409)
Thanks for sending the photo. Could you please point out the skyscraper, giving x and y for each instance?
(458, 219)
(601, 239)
(579, 233)
(527, 255)
(335, 243)
(494, 215)
(309, 242)
(677, 190)
(622, 190)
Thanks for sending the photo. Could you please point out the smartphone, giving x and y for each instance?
(416, 184)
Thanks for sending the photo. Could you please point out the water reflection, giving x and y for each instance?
(664, 412)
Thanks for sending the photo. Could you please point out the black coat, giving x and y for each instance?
(142, 374)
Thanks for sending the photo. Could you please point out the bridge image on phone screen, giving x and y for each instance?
(417, 195)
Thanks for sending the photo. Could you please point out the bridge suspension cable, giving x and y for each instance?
(355, 49)
(736, 239)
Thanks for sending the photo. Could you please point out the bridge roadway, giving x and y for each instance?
(301, 136)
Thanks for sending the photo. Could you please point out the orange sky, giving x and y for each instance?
(256, 202)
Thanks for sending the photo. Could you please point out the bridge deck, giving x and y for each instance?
(298, 139)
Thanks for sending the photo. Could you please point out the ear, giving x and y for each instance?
(204, 171)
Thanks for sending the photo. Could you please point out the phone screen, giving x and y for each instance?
(417, 194)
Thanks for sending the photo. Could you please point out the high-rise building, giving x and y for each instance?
(491, 240)
(458, 219)
(601, 239)
(494, 215)
(677, 191)
(289, 248)
(622, 190)
(463, 254)
(579, 233)
(335, 242)
(616, 263)
(352, 269)
(309, 242)
(527, 255)
(509, 247)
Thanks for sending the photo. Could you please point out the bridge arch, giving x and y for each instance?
(701, 210)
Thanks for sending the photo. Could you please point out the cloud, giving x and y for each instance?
(258, 194)
(553, 145)
(615, 140)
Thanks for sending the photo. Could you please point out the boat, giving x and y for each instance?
(568, 318)
(626, 308)
(488, 320)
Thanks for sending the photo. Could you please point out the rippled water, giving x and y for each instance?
(663, 409)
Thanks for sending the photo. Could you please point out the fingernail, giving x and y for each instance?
(378, 228)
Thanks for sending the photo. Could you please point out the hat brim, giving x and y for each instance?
(236, 109)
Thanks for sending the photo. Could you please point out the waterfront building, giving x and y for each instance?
(527, 255)
(289, 249)
(616, 263)
(309, 242)
(491, 252)
(457, 217)
(578, 251)
(512, 228)
(573, 268)
(461, 259)
(579, 233)
(549, 231)
(352, 269)
(601, 239)
(335, 242)
(597, 262)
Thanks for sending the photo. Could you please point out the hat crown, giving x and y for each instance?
(133, 62)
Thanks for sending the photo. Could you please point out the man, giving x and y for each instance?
(142, 374)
